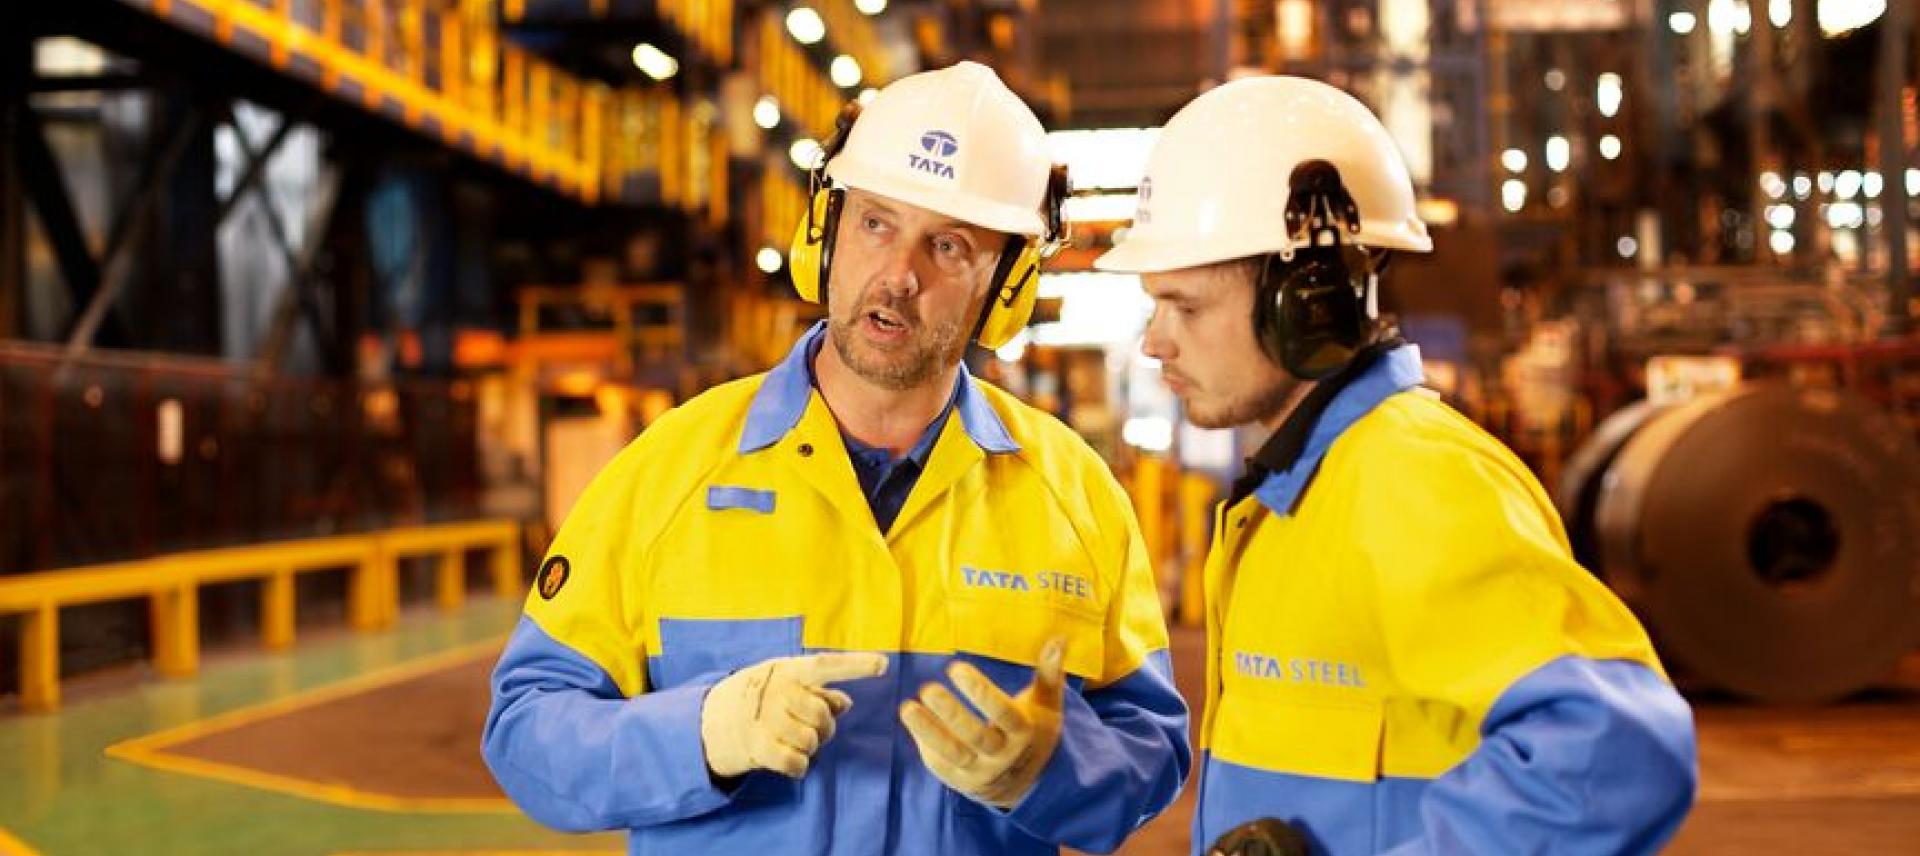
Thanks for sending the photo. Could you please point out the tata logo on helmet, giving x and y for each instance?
(937, 144)
(940, 144)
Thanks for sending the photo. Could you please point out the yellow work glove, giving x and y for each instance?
(775, 714)
(996, 760)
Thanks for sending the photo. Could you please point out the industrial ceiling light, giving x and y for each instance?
(766, 112)
(845, 71)
(654, 62)
(805, 25)
(870, 7)
(804, 153)
(769, 260)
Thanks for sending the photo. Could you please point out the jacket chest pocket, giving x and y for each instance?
(1295, 735)
(1004, 636)
(705, 649)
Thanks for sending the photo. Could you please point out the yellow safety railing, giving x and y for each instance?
(172, 583)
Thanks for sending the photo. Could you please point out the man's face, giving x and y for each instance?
(1202, 334)
(906, 289)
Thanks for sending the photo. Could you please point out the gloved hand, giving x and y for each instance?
(775, 714)
(996, 760)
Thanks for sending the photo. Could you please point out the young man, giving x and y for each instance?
(1403, 656)
(741, 638)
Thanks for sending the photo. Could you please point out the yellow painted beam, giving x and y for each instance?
(450, 592)
(1196, 517)
(509, 579)
(176, 631)
(277, 610)
(363, 594)
(40, 659)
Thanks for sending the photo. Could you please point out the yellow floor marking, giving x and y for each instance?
(11, 846)
(151, 750)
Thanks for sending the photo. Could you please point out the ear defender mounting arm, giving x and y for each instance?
(1313, 312)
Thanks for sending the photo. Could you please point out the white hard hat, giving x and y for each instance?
(957, 141)
(1216, 185)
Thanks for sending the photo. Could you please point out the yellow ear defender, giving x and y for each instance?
(1015, 280)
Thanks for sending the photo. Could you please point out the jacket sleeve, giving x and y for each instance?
(572, 735)
(1585, 747)
(1123, 751)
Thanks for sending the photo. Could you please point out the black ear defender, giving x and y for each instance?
(1314, 303)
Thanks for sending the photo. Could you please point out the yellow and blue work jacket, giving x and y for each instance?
(734, 530)
(1403, 657)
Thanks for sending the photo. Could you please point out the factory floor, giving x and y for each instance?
(360, 744)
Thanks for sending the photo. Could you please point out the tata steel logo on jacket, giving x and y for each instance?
(1071, 586)
(936, 145)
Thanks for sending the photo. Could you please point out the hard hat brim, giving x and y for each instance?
(985, 213)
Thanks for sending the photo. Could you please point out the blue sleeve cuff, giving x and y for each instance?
(577, 755)
(1579, 757)
(1121, 759)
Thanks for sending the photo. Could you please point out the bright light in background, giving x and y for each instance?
(1913, 182)
(1513, 194)
(1152, 433)
(845, 71)
(1780, 216)
(766, 112)
(1826, 182)
(1774, 186)
(1846, 185)
(1609, 147)
(1016, 347)
(654, 62)
(1514, 160)
(1681, 23)
(867, 95)
(1559, 153)
(1096, 308)
(1802, 187)
(805, 153)
(1293, 19)
(870, 7)
(1104, 159)
(1871, 185)
(1781, 242)
(1608, 93)
(1780, 12)
(1846, 215)
(805, 25)
(1728, 16)
(1840, 16)
(1105, 207)
(769, 259)
(1626, 246)
(1556, 79)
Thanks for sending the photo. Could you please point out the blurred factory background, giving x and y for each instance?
(315, 316)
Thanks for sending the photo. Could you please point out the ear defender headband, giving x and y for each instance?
(1014, 286)
(1315, 302)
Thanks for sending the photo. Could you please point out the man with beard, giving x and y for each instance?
(861, 603)
(1403, 656)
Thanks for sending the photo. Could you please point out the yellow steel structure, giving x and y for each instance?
(793, 79)
(446, 71)
(171, 585)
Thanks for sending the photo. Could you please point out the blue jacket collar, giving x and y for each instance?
(1396, 371)
(784, 394)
